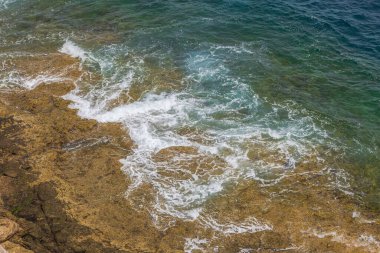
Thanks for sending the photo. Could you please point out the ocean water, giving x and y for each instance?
(218, 92)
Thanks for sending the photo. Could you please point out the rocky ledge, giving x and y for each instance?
(51, 201)
(62, 190)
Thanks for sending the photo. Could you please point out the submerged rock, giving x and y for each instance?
(69, 193)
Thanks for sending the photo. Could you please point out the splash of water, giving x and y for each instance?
(183, 171)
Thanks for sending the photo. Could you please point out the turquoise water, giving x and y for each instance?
(296, 78)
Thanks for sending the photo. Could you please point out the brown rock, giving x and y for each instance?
(69, 196)
(11, 173)
(10, 247)
(7, 229)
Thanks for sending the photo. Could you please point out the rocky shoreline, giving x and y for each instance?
(37, 183)
(62, 190)
(61, 187)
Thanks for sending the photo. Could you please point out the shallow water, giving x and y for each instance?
(215, 93)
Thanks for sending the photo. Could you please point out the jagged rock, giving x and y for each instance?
(7, 229)
(10, 247)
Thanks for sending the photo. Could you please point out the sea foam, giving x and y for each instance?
(70, 48)
(4, 3)
(220, 107)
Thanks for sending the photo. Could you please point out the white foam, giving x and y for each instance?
(70, 48)
(195, 244)
(356, 214)
(153, 121)
(14, 79)
(365, 240)
(249, 225)
(249, 250)
(368, 241)
(4, 3)
(246, 250)
(31, 83)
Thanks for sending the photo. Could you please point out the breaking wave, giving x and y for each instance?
(192, 142)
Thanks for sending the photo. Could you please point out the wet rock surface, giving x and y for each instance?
(35, 219)
(62, 190)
